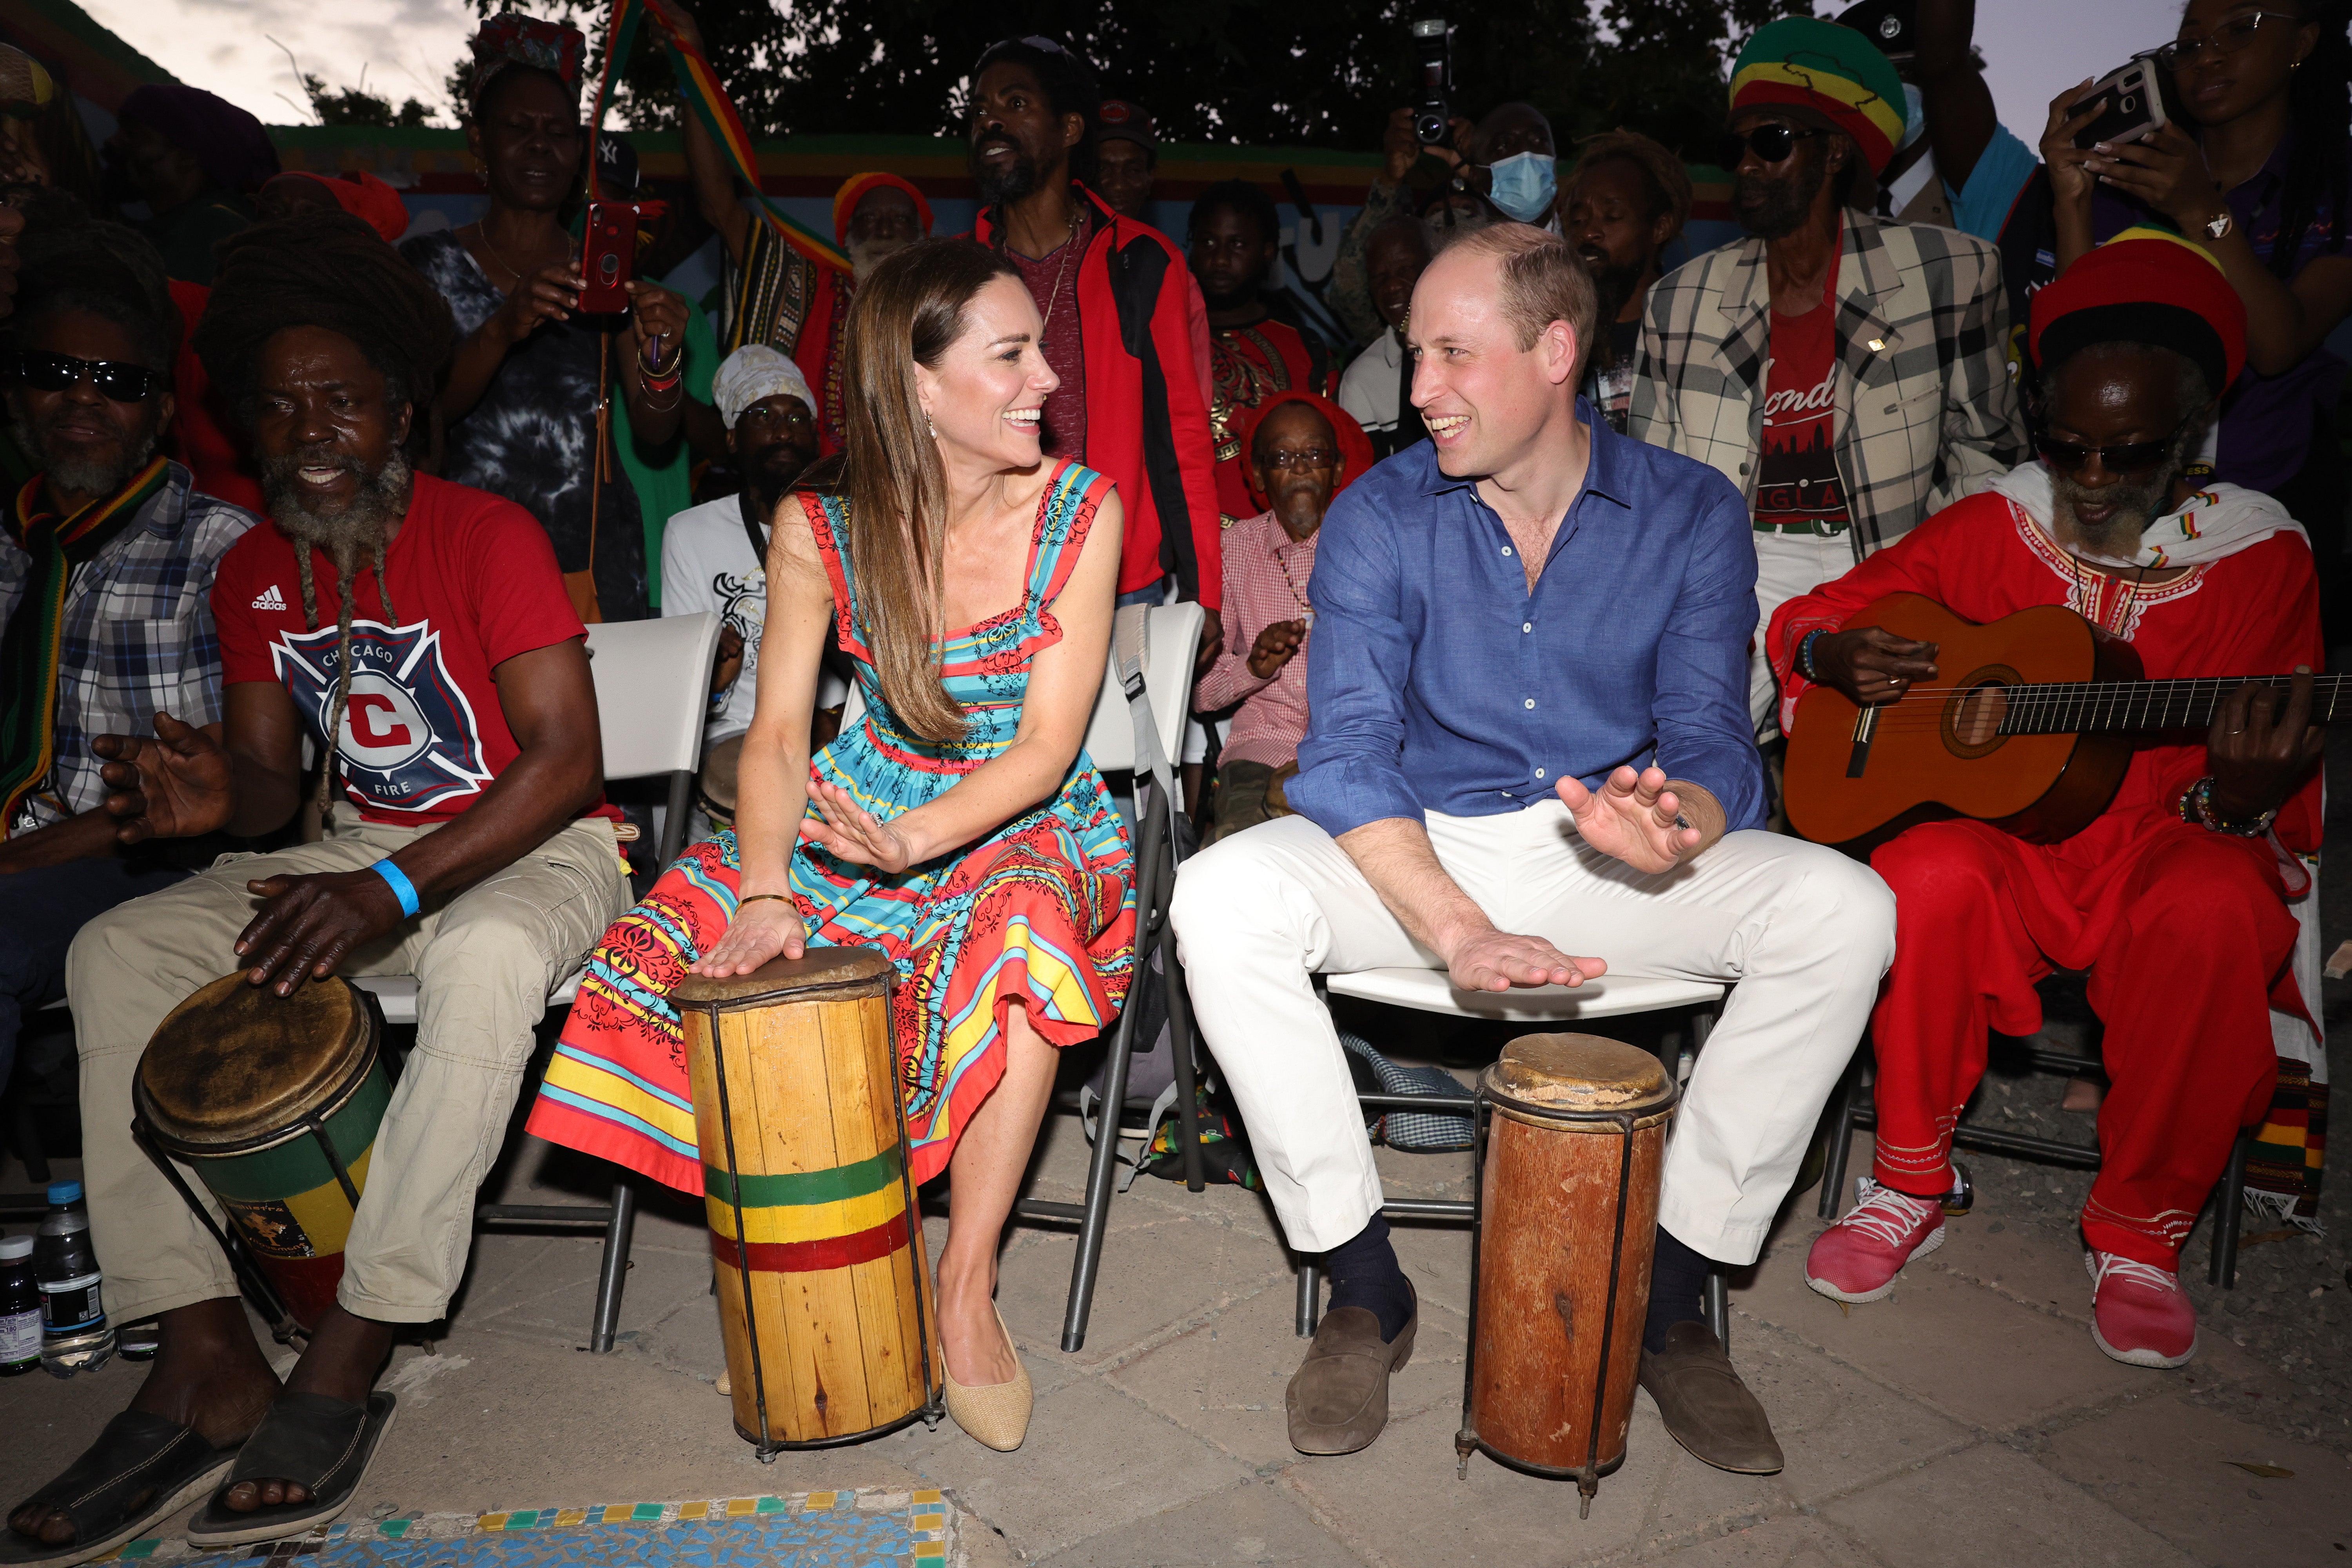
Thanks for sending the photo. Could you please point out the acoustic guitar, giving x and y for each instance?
(2030, 727)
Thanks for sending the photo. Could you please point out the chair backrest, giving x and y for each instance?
(1173, 638)
(653, 691)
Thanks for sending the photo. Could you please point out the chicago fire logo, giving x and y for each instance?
(409, 739)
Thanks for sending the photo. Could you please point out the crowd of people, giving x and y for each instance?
(1521, 544)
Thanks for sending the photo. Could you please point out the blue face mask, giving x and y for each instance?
(1525, 183)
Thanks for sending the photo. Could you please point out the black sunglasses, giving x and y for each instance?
(1771, 143)
(120, 381)
(2130, 457)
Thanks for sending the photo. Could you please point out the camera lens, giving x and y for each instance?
(1430, 126)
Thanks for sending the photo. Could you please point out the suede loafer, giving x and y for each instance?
(1706, 1406)
(1338, 1397)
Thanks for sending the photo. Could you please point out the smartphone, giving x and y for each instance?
(2137, 104)
(608, 259)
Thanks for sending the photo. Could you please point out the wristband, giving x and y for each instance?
(402, 888)
(1805, 654)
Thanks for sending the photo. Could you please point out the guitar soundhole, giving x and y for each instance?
(1972, 715)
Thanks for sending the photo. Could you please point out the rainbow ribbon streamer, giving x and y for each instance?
(698, 84)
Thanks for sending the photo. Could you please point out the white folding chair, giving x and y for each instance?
(653, 690)
(1429, 991)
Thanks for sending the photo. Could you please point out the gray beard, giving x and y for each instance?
(362, 526)
(2137, 503)
(81, 476)
(867, 255)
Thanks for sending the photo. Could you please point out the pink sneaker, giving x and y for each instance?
(2138, 1312)
(1857, 1258)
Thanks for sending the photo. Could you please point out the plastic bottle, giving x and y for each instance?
(74, 1332)
(20, 1308)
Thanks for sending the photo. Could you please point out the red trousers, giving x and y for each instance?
(2184, 934)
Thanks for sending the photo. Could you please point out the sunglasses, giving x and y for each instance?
(2131, 458)
(120, 381)
(1769, 143)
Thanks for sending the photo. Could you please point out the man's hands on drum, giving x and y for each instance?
(1497, 960)
(309, 925)
(1871, 665)
(1633, 818)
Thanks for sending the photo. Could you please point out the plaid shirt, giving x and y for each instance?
(1925, 410)
(139, 636)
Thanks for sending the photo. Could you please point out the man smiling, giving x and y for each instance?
(465, 847)
(1525, 741)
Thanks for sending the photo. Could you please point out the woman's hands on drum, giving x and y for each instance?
(763, 929)
(850, 833)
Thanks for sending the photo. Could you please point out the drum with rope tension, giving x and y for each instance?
(274, 1101)
(823, 1293)
(1571, 1135)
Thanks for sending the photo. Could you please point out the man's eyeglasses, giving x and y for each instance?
(119, 381)
(2229, 36)
(2130, 457)
(1312, 457)
(1770, 142)
(787, 417)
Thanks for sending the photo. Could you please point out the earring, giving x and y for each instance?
(932, 426)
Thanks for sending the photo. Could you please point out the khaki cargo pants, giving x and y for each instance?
(485, 960)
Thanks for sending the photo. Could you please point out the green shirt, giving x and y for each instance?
(664, 478)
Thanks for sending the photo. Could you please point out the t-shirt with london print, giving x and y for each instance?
(1797, 475)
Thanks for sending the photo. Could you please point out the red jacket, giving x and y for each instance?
(1147, 426)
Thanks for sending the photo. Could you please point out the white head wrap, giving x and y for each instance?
(752, 373)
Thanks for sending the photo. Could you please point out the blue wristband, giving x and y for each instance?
(402, 888)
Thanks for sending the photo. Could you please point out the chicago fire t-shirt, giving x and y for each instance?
(1797, 474)
(475, 582)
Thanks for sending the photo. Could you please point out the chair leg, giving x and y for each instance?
(1840, 1140)
(615, 1270)
(2230, 1209)
(1310, 1298)
(1180, 1040)
(1716, 1306)
(680, 806)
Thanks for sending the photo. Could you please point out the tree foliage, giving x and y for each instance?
(358, 106)
(1262, 72)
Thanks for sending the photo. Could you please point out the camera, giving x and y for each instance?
(1432, 46)
(2140, 101)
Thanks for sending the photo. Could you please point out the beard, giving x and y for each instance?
(2139, 502)
(771, 471)
(362, 526)
(1779, 206)
(68, 469)
(1612, 285)
(866, 254)
(995, 185)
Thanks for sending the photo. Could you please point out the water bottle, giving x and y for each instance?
(20, 1308)
(73, 1335)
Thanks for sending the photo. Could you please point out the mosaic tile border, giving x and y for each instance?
(926, 1514)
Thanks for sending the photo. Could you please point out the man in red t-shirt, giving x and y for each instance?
(425, 626)
(2186, 899)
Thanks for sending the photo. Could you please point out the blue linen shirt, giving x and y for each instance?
(1435, 681)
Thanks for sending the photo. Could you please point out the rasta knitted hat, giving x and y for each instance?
(1836, 73)
(855, 188)
(2144, 286)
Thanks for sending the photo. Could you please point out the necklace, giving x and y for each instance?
(1288, 581)
(1069, 242)
(482, 233)
(2091, 599)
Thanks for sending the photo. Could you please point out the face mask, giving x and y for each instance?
(1916, 126)
(1525, 185)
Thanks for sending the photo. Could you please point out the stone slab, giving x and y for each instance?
(1254, 1522)
(1989, 1504)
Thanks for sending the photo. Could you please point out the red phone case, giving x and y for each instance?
(609, 260)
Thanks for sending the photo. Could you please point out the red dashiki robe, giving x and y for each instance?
(1247, 366)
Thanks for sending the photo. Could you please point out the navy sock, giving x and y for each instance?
(1678, 1280)
(1365, 1273)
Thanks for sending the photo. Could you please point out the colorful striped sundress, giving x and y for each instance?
(1041, 910)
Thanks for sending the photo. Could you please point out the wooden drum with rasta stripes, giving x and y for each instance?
(824, 1292)
(275, 1101)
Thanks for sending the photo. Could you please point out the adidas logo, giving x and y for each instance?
(269, 599)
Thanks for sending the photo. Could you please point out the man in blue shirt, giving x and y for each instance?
(1529, 739)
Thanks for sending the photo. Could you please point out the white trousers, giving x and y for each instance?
(1787, 565)
(1806, 933)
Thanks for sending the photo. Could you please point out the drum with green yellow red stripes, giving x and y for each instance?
(275, 1102)
(823, 1296)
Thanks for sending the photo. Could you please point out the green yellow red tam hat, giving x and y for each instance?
(1803, 62)
(2144, 286)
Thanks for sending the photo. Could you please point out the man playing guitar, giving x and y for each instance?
(2181, 898)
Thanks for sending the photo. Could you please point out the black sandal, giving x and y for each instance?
(321, 1444)
(143, 1469)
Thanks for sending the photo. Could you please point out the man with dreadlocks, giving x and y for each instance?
(420, 633)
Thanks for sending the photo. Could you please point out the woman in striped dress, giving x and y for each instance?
(958, 827)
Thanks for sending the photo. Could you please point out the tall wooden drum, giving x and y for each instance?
(275, 1101)
(1571, 1139)
(824, 1292)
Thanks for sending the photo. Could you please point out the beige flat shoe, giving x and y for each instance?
(996, 1413)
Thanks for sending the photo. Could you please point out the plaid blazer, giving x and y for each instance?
(1926, 409)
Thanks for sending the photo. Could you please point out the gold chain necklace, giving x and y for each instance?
(1061, 268)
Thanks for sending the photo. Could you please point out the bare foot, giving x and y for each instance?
(975, 1347)
(2082, 1094)
(344, 1355)
(208, 1375)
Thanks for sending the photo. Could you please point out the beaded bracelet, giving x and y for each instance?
(1805, 654)
(2197, 807)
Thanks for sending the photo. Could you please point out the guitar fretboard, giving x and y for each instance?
(2110, 707)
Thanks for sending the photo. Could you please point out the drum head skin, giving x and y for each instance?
(1577, 1076)
(718, 765)
(235, 1059)
(824, 969)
